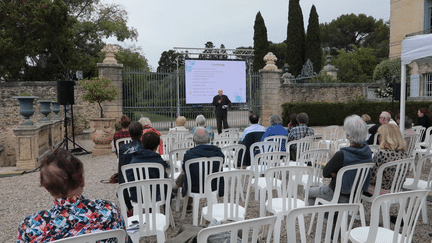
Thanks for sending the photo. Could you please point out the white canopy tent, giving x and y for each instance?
(415, 48)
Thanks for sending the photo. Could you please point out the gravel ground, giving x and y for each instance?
(21, 196)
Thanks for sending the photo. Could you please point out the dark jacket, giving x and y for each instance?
(126, 153)
(199, 152)
(372, 131)
(249, 139)
(219, 111)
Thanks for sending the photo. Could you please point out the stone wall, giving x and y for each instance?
(10, 117)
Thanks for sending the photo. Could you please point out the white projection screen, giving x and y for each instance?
(205, 77)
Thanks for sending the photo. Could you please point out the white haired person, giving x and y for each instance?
(358, 152)
(148, 128)
(180, 125)
(201, 120)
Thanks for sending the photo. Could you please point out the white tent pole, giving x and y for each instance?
(402, 99)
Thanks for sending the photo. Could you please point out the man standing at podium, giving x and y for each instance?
(221, 103)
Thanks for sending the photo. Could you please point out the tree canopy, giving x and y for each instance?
(42, 39)
(295, 38)
(168, 61)
(313, 50)
(261, 44)
(356, 66)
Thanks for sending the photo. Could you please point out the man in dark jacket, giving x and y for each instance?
(221, 103)
(203, 149)
(127, 150)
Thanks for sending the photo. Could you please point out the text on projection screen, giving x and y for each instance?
(205, 77)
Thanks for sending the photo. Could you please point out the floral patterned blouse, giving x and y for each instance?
(70, 217)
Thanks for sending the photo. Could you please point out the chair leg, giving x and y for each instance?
(195, 211)
(262, 202)
(424, 212)
(311, 223)
(385, 208)
(185, 200)
(172, 223)
(302, 228)
(160, 237)
(177, 205)
(277, 230)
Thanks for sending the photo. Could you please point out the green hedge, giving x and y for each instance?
(325, 114)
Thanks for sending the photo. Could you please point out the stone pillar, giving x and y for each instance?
(27, 151)
(330, 69)
(112, 70)
(270, 86)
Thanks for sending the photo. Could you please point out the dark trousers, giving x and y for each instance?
(219, 119)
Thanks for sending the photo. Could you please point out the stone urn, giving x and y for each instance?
(56, 109)
(101, 133)
(26, 108)
(45, 109)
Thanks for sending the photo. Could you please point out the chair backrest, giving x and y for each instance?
(120, 234)
(231, 153)
(205, 166)
(122, 141)
(408, 211)
(180, 135)
(237, 184)
(317, 159)
(262, 147)
(167, 142)
(151, 194)
(141, 171)
(222, 142)
(411, 141)
(425, 161)
(268, 160)
(419, 130)
(228, 135)
(288, 178)
(325, 230)
(232, 129)
(331, 133)
(375, 141)
(301, 145)
(247, 228)
(400, 168)
(187, 143)
(176, 160)
(280, 139)
(358, 174)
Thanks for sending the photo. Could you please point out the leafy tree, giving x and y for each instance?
(389, 71)
(207, 53)
(131, 57)
(261, 44)
(168, 61)
(223, 55)
(42, 39)
(356, 66)
(379, 40)
(313, 41)
(295, 38)
(279, 50)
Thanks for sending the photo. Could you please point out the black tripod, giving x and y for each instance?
(65, 143)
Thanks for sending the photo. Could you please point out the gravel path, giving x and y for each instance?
(21, 196)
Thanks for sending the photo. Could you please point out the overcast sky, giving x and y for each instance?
(164, 24)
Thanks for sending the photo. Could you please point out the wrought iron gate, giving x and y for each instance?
(154, 95)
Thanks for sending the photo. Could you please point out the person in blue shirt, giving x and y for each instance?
(275, 129)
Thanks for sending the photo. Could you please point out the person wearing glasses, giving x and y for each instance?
(384, 118)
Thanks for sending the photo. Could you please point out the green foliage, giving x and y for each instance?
(355, 66)
(130, 57)
(99, 89)
(389, 71)
(295, 38)
(280, 51)
(324, 78)
(313, 41)
(24, 94)
(168, 62)
(261, 44)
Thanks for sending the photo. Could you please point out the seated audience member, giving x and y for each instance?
(391, 119)
(128, 150)
(358, 152)
(200, 120)
(299, 132)
(124, 132)
(293, 122)
(254, 127)
(147, 154)
(384, 118)
(148, 128)
(203, 149)
(408, 126)
(180, 122)
(392, 147)
(62, 175)
(275, 129)
(366, 118)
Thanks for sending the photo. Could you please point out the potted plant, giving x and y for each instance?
(99, 90)
(26, 107)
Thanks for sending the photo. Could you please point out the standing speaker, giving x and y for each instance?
(65, 92)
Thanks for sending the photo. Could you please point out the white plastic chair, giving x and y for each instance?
(262, 147)
(362, 172)
(231, 153)
(167, 142)
(176, 159)
(280, 139)
(152, 222)
(206, 166)
(426, 139)
(246, 228)
(222, 142)
(141, 170)
(234, 203)
(302, 145)
(328, 225)
(418, 184)
(330, 136)
(412, 141)
(409, 211)
(401, 169)
(317, 158)
(187, 143)
(419, 130)
(180, 135)
(261, 163)
(286, 180)
(119, 234)
(228, 135)
(232, 129)
(120, 142)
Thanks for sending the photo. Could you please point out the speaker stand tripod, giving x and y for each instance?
(77, 149)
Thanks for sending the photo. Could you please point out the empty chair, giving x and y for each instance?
(316, 158)
(232, 205)
(231, 129)
(167, 142)
(119, 234)
(152, 221)
(232, 153)
(262, 147)
(247, 228)
(408, 212)
(222, 142)
(300, 146)
(412, 141)
(330, 136)
(280, 139)
(418, 184)
(228, 135)
(427, 137)
(204, 166)
(419, 130)
(328, 226)
(424, 151)
(175, 161)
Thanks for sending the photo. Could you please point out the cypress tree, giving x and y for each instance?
(261, 45)
(295, 38)
(313, 41)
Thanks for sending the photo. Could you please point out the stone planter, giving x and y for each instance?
(101, 133)
(45, 109)
(56, 109)
(26, 108)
